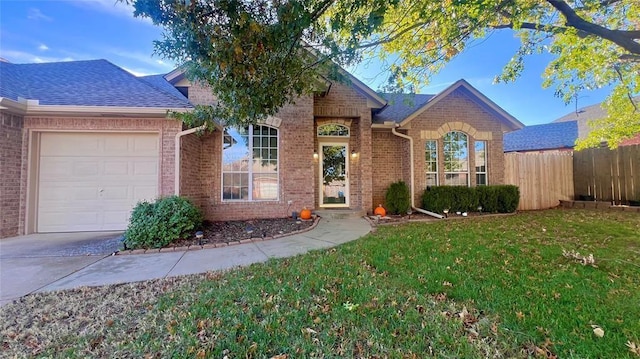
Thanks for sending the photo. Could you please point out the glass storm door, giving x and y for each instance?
(334, 176)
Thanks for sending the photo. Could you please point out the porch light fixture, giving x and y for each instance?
(353, 154)
(315, 155)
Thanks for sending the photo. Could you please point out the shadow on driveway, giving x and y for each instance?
(61, 244)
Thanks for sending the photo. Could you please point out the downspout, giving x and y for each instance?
(412, 171)
(177, 155)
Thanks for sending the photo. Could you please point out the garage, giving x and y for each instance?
(91, 181)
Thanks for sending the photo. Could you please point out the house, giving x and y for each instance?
(83, 141)
(549, 137)
(582, 117)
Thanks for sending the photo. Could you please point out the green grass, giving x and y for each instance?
(479, 287)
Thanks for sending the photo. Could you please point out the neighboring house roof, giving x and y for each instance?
(594, 112)
(411, 106)
(555, 135)
(83, 83)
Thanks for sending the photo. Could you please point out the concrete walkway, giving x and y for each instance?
(35, 263)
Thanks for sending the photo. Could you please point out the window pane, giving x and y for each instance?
(432, 179)
(456, 159)
(456, 179)
(481, 179)
(265, 186)
(333, 130)
(235, 150)
(250, 168)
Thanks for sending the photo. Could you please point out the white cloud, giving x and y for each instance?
(43, 47)
(36, 14)
(112, 7)
(17, 56)
(137, 73)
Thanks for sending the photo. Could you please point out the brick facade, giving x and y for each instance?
(381, 157)
(166, 129)
(295, 174)
(343, 104)
(456, 112)
(10, 168)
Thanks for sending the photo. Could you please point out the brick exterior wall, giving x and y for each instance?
(344, 103)
(296, 166)
(10, 170)
(389, 163)
(190, 174)
(391, 153)
(166, 129)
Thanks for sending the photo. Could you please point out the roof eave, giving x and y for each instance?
(32, 107)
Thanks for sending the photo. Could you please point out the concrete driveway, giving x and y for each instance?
(28, 263)
(48, 262)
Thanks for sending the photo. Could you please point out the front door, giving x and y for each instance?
(334, 175)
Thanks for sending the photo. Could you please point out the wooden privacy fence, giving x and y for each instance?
(543, 178)
(608, 175)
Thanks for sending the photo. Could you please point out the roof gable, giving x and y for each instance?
(555, 135)
(506, 118)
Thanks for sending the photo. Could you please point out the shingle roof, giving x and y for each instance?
(83, 83)
(400, 106)
(159, 82)
(553, 135)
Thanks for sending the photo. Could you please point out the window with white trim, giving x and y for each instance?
(456, 158)
(431, 162)
(481, 163)
(250, 163)
(333, 130)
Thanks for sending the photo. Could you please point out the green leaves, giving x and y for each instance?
(257, 56)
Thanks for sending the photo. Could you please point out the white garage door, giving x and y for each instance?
(91, 181)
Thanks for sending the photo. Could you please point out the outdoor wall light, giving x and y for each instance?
(315, 155)
(354, 154)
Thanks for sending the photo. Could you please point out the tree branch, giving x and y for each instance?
(574, 20)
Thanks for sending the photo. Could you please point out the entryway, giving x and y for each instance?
(334, 175)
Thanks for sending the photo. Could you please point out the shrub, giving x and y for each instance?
(398, 198)
(501, 198)
(455, 198)
(508, 198)
(156, 224)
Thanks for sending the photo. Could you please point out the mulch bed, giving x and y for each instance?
(234, 231)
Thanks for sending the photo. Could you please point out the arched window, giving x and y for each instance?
(456, 159)
(333, 130)
(250, 163)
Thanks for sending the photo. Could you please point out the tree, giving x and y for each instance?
(258, 55)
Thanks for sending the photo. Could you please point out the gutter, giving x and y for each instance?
(177, 155)
(412, 185)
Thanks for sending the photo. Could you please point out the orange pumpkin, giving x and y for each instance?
(305, 213)
(380, 211)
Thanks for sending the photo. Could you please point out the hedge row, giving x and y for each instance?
(492, 199)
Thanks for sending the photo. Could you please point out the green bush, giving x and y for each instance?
(156, 224)
(508, 198)
(492, 199)
(398, 198)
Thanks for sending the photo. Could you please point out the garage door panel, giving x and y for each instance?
(145, 168)
(94, 187)
(146, 193)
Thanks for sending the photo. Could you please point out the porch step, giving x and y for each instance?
(341, 213)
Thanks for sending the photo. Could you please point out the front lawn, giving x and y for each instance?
(478, 287)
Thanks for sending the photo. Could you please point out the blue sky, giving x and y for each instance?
(58, 30)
